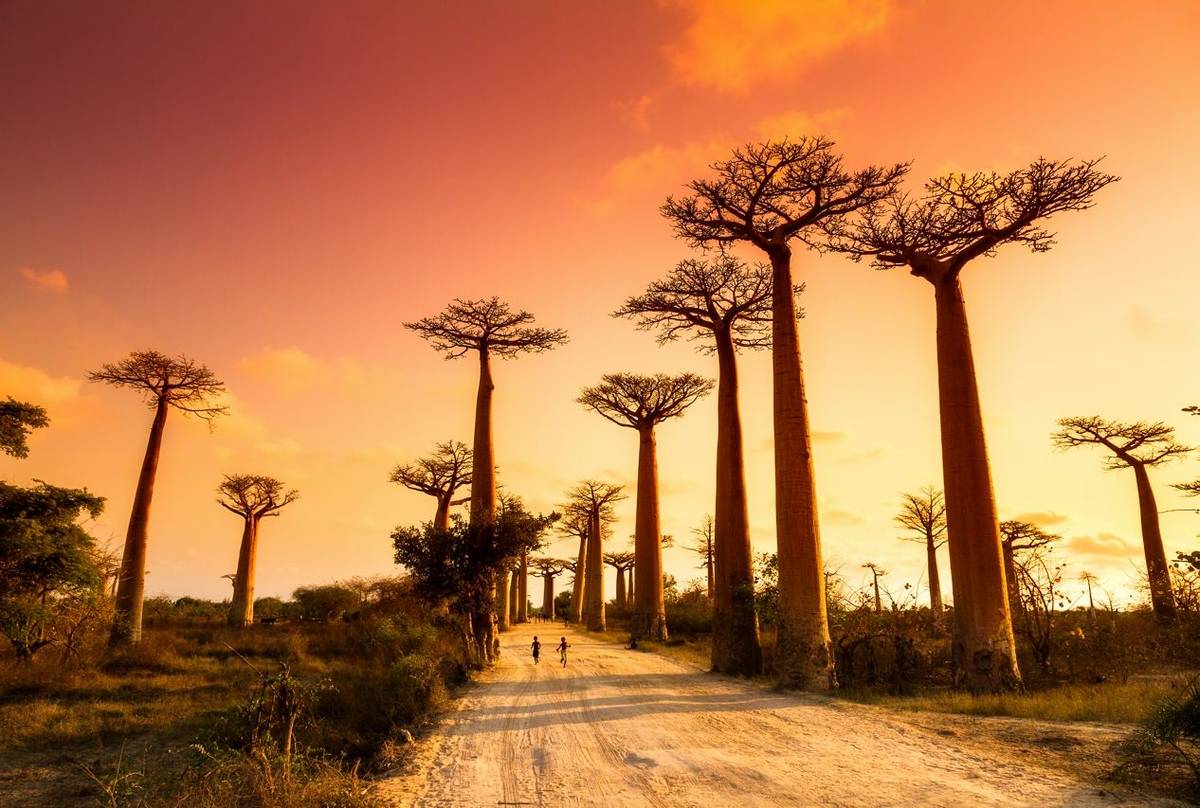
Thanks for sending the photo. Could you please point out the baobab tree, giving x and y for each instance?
(768, 195)
(702, 545)
(17, 420)
(1138, 445)
(252, 497)
(622, 561)
(440, 475)
(924, 514)
(575, 523)
(548, 569)
(594, 500)
(642, 403)
(1018, 537)
(877, 572)
(726, 304)
(960, 218)
(491, 329)
(165, 383)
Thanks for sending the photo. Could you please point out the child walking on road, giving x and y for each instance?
(562, 651)
(537, 650)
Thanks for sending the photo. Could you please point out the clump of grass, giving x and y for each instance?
(1168, 741)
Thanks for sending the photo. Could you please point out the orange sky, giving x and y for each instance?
(274, 188)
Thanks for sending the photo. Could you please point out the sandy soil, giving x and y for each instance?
(624, 728)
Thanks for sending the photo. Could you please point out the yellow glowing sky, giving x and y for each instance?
(274, 193)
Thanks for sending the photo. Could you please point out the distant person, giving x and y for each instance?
(537, 650)
(562, 651)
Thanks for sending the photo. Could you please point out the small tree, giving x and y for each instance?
(1139, 446)
(924, 514)
(877, 572)
(702, 545)
(548, 569)
(642, 403)
(252, 497)
(17, 420)
(48, 563)
(165, 383)
(593, 500)
(487, 327)
(621, 561)
(439, 475)
(728, 305)
(960, 218)
(1018, 538)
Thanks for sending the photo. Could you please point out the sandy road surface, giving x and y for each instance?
(622, 728)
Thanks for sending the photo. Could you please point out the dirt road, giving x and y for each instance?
(624, 728)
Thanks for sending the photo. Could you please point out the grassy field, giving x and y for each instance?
(166, 724)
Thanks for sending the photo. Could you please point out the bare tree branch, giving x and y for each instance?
(485, 325)
(254, 495)
(634, 400)
(180, 382)
(1137, 443)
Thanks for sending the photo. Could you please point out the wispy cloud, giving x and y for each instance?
(1042, 518)
(53, 280)
(732, 44)
(1107, 545)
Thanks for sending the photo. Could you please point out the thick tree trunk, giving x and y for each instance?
(594, 588)
(131, 590)
(802, 657)
(631, 593)
(483, 484)
(513, 595)
(1162, 598)
(620, 599)
(441, 518)
(578, 589)
(735, 640)
(708, 564)
(649, 618)
(548, 597)
(935, 581)
(984, 650)
(241, 610)
(523, 590)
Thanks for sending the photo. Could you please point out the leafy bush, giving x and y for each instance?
(1169, 739)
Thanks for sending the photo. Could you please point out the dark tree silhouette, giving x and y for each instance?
(1018, 537)
(728, 305)
(877, 572)
(642, 403)
(960, 218)
(1139, 446)
(924, 513)
(621, 561)
(702, 545)
(17, 420)
(768, 195)
(593, 500)
(164, 383)
(548, 569)
(252, 497)
(489, 328)
(439, 475)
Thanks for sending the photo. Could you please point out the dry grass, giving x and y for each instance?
(1109, 703)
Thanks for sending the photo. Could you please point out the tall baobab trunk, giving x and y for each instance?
(708, 565)
(483, 496)
(935, 581)
(649, 618)
(1162, 598)
(631, 593)
(131, 589)
(594, 588)
(513, 595)
(984, 651)
(621, 604)
(548, 597)
(802, 656)
(441, 519)
(735, 642)
(578, 589)
(878, 602)
(523, 589)
(241, 610)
